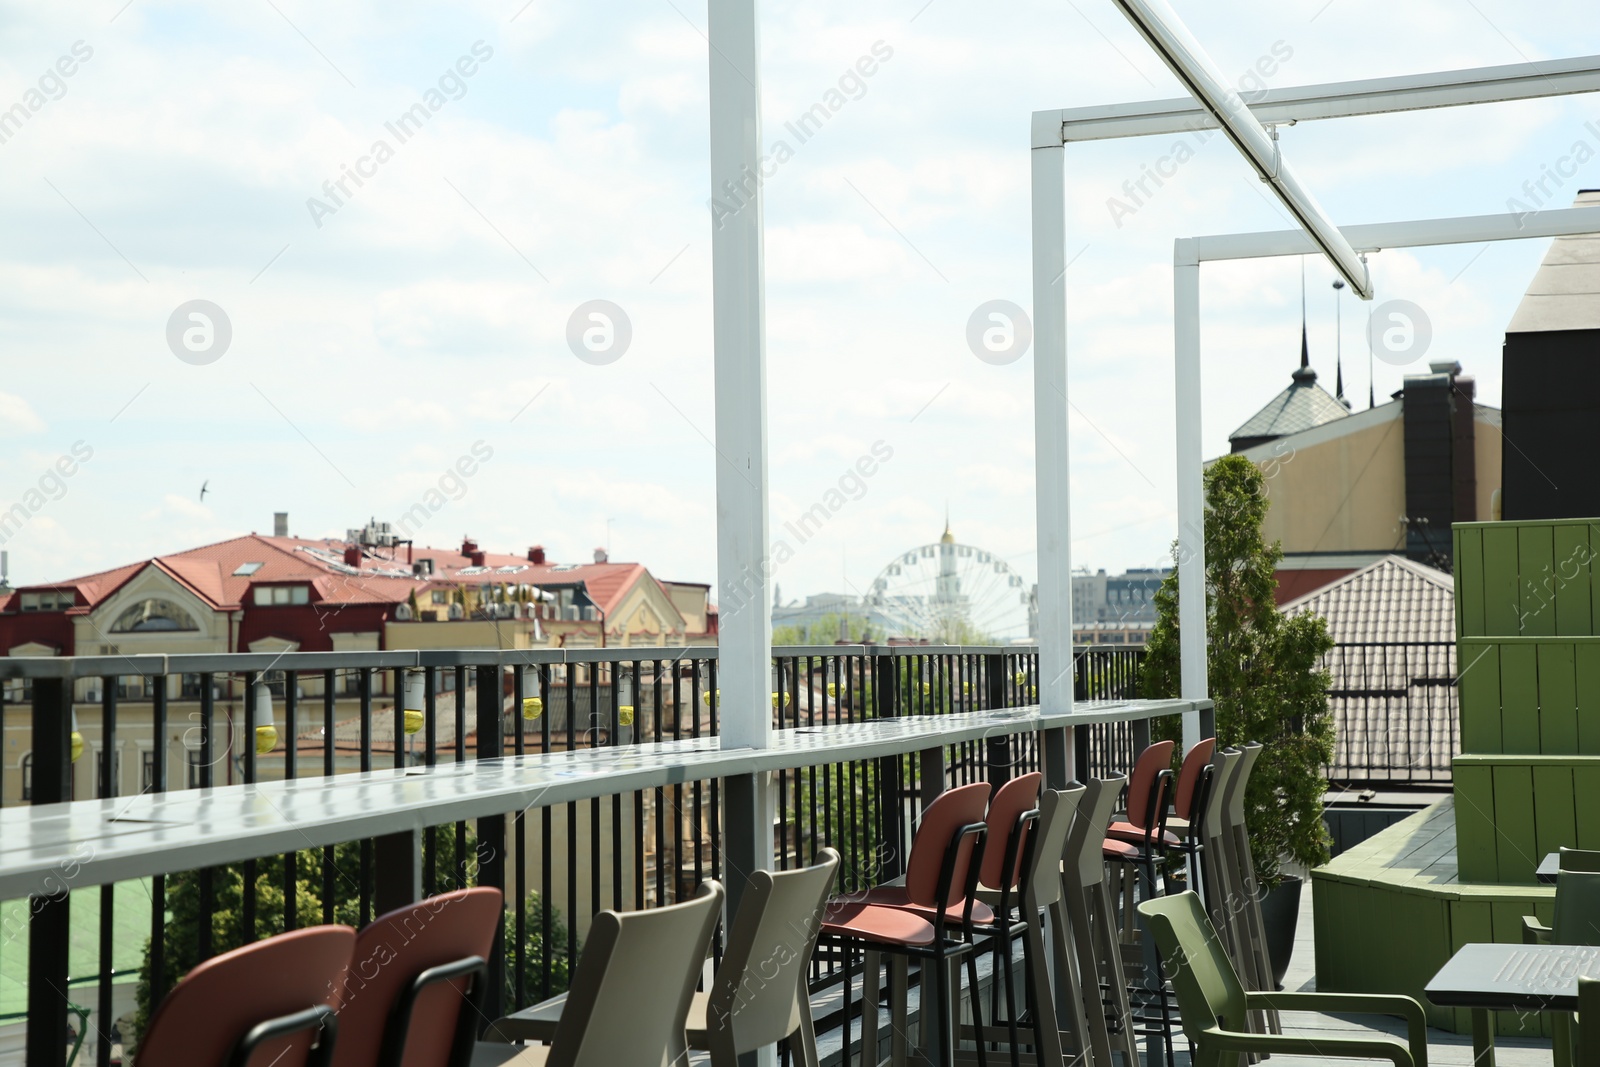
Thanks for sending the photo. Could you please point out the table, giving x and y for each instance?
(1548, 868)
(1510, 977)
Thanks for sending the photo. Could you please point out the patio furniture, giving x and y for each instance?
(1217, 872)
(1090, 932)
(1566, 859)
(425, 962)
(1010, 840)
(258, 1005)
(759, 995)
(1256, 964)
(1143, 824)
(628, 1004)
(1588, 1050)
(1486, 978)
(1577, 904)
(1215, 1005)
(929, 917)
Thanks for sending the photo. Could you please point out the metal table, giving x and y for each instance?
(46, 850)
(1486, 978)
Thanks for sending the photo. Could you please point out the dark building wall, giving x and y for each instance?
(1430, 473)
(1551, 423)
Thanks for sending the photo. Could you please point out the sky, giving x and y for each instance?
(379, 333)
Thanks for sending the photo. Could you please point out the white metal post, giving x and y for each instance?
(1051, 466)
(744, 642)
(1191, 485)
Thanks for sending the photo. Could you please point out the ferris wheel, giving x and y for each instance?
(950, 593)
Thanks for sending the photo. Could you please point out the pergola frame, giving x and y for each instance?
(1051, 132)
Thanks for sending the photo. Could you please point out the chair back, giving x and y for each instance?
(1041, 879)
(1233, 798)
(1224, 771)
(1208, 988)
(1194, 761)
(1580, 859)
(450, 935)
(760, 989)
(1577, 905)
(1083, 864)
(1142, 782)
(204, 1017)
(1588, 1050)
(943, 819)
(629, 999)
(1019, 795)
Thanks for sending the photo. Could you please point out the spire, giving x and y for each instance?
(1304, 374)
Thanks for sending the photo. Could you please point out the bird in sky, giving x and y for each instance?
(203, 490)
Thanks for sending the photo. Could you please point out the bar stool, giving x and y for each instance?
(1041, 895)
(1217, 873)
(1253, 944)
(929, 918)
(1144, 827)
(1189, 799)
(1090, 930)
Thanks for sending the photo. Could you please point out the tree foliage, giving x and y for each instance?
(1263, 671)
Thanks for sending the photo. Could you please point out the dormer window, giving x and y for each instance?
(278, 596)
(46, 600)
(153, 614)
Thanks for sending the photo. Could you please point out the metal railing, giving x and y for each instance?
(1395, 712)
(195, 718)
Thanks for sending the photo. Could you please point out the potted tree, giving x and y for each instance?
(1264, 676)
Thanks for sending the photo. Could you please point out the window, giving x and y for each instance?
(27, 777)
(48, 600)
(246, 569)
(191, 688)
(275, 682)
(195, 767)
(441, 597)
(153, 614)
(147, 771)
(280, 595)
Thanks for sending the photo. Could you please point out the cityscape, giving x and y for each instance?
(823, 535)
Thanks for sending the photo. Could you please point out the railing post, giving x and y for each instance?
(396, 873)
(49, 933)
(997, 750)
(491, 857)
(891, 820)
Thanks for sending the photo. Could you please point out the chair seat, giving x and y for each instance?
(874, 922)
(1126, 831)
(489, 1054)
(1119, 851)
(536, 1023)
(894, 896)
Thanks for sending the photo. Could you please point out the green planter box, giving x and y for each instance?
(1529, 695)
(1513, 810)
(1535, 579)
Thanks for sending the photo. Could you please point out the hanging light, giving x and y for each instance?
(266, 726)
(776, 696)
(624, 698)
(415, 687)
(532, 707)
(76, 739)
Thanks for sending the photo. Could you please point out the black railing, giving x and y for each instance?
(559, 865)
(1395, 713)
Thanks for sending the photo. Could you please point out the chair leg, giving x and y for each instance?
(1111, 957)
(803, 1042)
(1046, 1022)
(1074, 976)
(871, 961)
(1004, 957)
(977, 1006)
(844, 1049)
(900, 981)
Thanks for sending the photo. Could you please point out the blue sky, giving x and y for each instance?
(430, 312)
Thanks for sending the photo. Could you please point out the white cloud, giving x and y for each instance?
(17, 417)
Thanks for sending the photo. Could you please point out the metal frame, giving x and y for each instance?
(1052, 130)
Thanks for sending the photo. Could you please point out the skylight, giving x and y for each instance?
(247, 569)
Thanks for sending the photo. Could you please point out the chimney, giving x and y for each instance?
(476, 557)
(600, 555)
(280, 524)
(468, 546)
(352, 556)
(536, 554)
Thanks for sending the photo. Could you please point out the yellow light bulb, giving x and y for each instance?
(413, 721)
(266, 739)
(625, 715)
(77, 745)
(532, 707)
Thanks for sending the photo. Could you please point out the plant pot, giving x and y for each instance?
(1280, 914)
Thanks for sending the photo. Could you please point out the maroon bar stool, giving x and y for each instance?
(1013, 815)
(258, 1006)
(428, 962)
(928, 918)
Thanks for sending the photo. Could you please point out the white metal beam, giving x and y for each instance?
(1413, 233)
(1052, 474)
(1166, 33)
(1346, 99)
